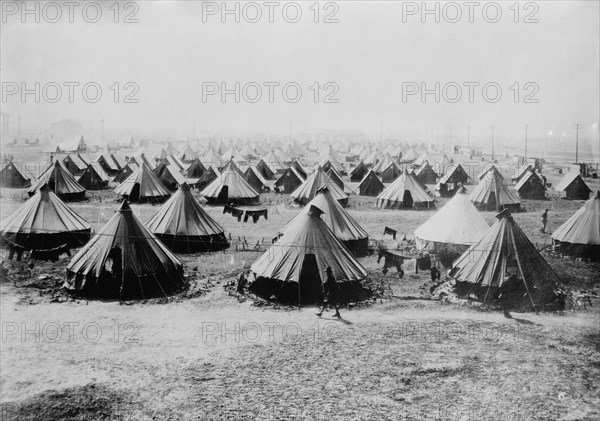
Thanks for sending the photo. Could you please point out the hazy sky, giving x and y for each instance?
(369, 53)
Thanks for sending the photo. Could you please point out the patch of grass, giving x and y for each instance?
(89, 402)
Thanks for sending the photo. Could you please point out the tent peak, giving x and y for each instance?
(461, 190)
(315, 211)
(125, 206)
(505, 214)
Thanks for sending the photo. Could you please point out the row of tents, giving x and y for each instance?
(129, 259)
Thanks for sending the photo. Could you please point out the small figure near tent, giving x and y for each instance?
(243, 281)
(330, 293)
(544, 220)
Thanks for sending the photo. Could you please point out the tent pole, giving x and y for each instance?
(521, 269)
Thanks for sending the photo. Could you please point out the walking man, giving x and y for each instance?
(544, 221)
(330, 293)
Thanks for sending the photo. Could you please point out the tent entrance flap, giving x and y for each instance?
(310, 281)
(223, 195)
(135, 193)
(492, 203)
(407, 200)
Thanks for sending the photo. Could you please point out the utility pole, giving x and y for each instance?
(577, 143)
(468, 137)
(525, 145)
(492, 142)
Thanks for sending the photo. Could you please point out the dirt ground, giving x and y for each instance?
(210, 355)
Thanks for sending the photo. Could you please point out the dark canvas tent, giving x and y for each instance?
(208, 177)
(183, 226)
(264, 169)
(521, 171)
(196, 169)
(343, 226)
(370, 185)
(404, 193)
(452, 180)
(391, 173)
(45, 225)
(358, 172)
(11, 177)
(74, 164)
(109, 164)
(61, 182)
(125, 172)
(574, 187)
(169, 175)
(143, 186)
(293, 268)
(383, 163)
(491, 194)
(308, 189)
(335, 177)
(94, 177)
(504, 264)
(299, 169)
(425, 174)
(531, 186)
(580, 234)
(289, 181)
(230, 187)
(255, 179)
(124, 260)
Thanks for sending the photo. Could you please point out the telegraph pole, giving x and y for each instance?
(492, 142)
(525, 145)
(577, 143)
(468, 137)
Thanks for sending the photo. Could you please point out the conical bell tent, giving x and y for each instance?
(504, 265)
(344, 226)
(579, 236)
(61, 182)
(491, 194)
(230, 187)
(293, 268)
(370, 185)
(124, 260)
(404, 193)
(143, 186)
(308, 189)
(452, 229)
(45, 225)
(11, 177)
(183, 226)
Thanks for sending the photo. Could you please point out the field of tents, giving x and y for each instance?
(119, 293)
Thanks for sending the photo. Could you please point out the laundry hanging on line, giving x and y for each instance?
(389, 231)
(256, 215)
(239, 213)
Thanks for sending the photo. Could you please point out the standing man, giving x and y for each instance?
(330, 293)
(544, 220)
